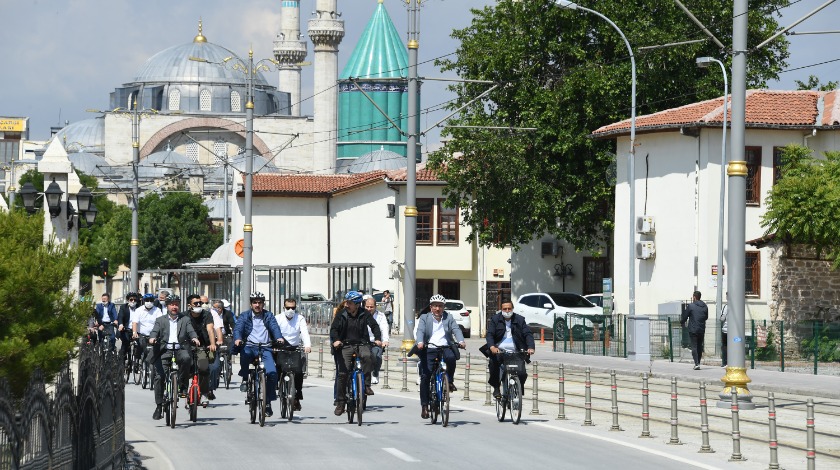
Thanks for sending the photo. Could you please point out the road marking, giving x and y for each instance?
(350, 433)
(399, 454)
(144, 445)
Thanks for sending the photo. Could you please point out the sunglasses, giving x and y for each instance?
(196, 304)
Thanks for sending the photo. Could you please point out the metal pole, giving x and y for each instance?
(736, 372)
(467, 380)
(675, 439)
(810, 446)
(321, 359)
(721, 218)
(645, 407)
(561, 393)
(736, 430)
(535, 390)
(385, 385)
(410, 212)
(134, 282)
(587, 421)
(487, 384)
(774, 443)
(248, 229)
(705, 448)
(614, 407)
(404, 371)
(227, 216)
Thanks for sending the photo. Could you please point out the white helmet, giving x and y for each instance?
(437, 298)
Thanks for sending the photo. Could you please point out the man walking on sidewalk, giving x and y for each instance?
(696, 315)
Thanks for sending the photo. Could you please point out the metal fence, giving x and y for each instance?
(75, 426)
(807, 347)
(318, 316)
(600, 335)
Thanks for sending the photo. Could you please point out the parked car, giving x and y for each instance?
(462, 315)
(596, 299)
(312, 297)
(540, 308)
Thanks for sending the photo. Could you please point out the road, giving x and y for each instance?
(393, 435)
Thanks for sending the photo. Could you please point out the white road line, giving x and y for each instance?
(149, 449)
(399, 454)
(350, 433)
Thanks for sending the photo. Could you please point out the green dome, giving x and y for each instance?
(380, 53)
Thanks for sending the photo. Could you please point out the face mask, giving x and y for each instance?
(290, 312)
(132, 304)
(507, 315)
(149, 305)
(197, 309)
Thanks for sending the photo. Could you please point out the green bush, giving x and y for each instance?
(828, 348)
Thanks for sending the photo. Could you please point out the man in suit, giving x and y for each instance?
(696, 315)
(106, 320)
(174, 334)
(435, 332)
(507, 331)
(124, 323)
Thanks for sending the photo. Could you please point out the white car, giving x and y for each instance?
(462, 315)
(539, 308)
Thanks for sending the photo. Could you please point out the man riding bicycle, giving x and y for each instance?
(350, 327)
(202, 323)
(436, 329)
(258, 326)
(142, 321)
(296, 333)
(507, 331)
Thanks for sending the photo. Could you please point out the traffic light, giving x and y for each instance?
(104, 265)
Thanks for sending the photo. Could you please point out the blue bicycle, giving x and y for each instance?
(438, 385)
(355, 391)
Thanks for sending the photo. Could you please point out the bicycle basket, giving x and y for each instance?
(514, 364)
(290, 361)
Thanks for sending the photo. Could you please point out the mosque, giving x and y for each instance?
(190, 102)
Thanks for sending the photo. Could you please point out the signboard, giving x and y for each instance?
(715, 270)
(607, 286)
(760, 336)
(12, 124)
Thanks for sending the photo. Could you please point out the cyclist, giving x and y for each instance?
(202, 323)
(350, 327)
(106, 318)
(124, 322)
(437, 327)
(142, 322)
(296, 333)
(376, 351)
(507, 331)
(258, 325)
(172, 328)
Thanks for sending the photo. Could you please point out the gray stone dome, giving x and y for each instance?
(159, 164)
(261, 164)
(90, 164)
(173, 65)
(87, 135)
(372, 161)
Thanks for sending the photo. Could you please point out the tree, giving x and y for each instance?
(567, 73)
(175, 229)
(814, 83)
(803, 205)
(37, 179)
(108, 237)
(40, 322)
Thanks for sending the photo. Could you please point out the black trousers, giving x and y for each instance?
(696, 341)
(723, 341)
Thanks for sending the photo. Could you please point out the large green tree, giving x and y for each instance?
(804, 203)
(108, 237)
(40, 322)
(567, 73)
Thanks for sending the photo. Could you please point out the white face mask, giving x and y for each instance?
(132, 304)
(507, 315)
(149, 305)
(290, 312)
(197, 309)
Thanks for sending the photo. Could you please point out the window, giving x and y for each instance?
(424, 221)
(132, 100)
(174, 99)
(752, 275)
(777, 163)
(423, 292)
(753, 157)
(594, 272)
(204, 100)
(528, 300)
(235, 102)
(219, 152)
(192, 151)
(451, 289)
(447, 225)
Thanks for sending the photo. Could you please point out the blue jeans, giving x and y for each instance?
(426, 371)
(215, 369)
(248, 354)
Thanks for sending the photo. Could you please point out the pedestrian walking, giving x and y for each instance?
(694, 318)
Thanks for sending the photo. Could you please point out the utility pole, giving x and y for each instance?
(410, 280)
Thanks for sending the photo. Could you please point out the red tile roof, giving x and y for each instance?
(765, 109)
(315, 185)
(423, 174)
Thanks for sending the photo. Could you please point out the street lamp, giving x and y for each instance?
(53, 195)
(704, 62)
(249, 69)
(631, 162)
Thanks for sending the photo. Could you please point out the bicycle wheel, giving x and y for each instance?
(227, 372)
(252, 396)
(144, 376)
(360, 396)
(137, 370)
(501, 403)
(434, 401)
(167, 391)
(290, 395)
(195, 397)
(127, 366)
(350, 398)
(262, 397)
(515, 393)
(173, 398)
(444, 400)
(282, 390)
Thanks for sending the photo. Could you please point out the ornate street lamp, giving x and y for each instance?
(28, 193)
(90, 214)
(83, 199)
(53, 195)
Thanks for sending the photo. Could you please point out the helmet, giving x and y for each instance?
(149, 297)
(225, 303)
(132, 295)
(437, 298)
(172, 299)
(353, 296)
(257, 296)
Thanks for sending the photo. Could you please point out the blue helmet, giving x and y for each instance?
(148, 297)
(353, 296)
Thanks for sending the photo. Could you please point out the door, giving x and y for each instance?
(497, 291)
(424, 291)
(594, 272)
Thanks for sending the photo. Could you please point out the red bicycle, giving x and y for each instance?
(194, 390)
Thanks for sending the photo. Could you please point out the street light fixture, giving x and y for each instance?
(83, 199)
(53, 195)
(27, 193)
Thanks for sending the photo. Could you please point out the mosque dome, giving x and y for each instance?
(87, 135)
(261, 164)
(372, 161)
(174, 65)
(89, 164)
(159, 164)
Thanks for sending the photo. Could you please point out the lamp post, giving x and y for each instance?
(249, 69)
(409, 283)
(631, 159)
(704, 62)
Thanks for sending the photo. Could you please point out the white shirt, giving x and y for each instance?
(295, 330)
(145, 319)
(383, 326)
(507, 341)
(218, 323)
(438, 333)
(173, 331)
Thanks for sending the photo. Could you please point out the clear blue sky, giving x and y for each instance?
(64, 56)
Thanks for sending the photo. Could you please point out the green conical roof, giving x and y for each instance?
(380, 53)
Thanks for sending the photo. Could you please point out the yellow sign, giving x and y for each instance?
(12, 125)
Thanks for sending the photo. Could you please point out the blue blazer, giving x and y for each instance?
(245, 323)
(100, 312)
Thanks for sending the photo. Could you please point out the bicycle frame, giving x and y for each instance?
(355, 391)
(257, 384)
(511, 388)
(170, 388)
(439, 385)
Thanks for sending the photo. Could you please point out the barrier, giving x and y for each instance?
(645, 407)
(774, 443)
(587, 421)
(705, 448)
(810, 446)
(321, 360)
(385, 359)
(487, 384)
(614, 398)
(675, 438)
(404, 371)
(467, 380)
(535, 391)
(561, 393)
(736, 430)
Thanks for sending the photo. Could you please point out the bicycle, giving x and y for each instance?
(355, 391)
(194, 390)
(147, 370)
(438, 386)
(225, 362)
(170, 388)
(289, 363)
(128, 361)
(256, 386)
(511, 389)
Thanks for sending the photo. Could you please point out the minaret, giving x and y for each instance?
(289, 51)
(326, 31)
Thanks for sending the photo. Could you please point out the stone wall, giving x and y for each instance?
(804, 287)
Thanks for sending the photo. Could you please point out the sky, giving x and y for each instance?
(62, 57)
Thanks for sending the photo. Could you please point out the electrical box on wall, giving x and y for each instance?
(551, 248)
(645, 224)
(645, 250)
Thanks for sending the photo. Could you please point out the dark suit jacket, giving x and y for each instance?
(161, 331)
(697, 313)
(523, 338)
(450, 327)
(100, 311)
(124, 316)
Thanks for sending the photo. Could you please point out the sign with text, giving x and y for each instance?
(12, 124)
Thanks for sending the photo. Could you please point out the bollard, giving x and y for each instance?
(736, 430)
(587, 421)
(774, 444)
(810, 446)
(321, 360)
(614, 407)
(561, 393)
(535, 391)
(645, 407)
(404, 371)
(705, 448)
(675, 438)
(385, 377)
(487, 384)
(467, 380)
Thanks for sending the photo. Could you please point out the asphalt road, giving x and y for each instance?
(393, 435)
